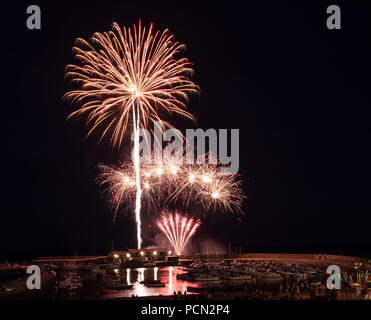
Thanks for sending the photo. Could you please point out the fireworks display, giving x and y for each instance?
(188, 184)
(129, 76)
(123, 70)
(178, 229)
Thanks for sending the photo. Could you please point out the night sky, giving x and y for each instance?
(298, 92)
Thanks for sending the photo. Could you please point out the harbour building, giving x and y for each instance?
(152, 254)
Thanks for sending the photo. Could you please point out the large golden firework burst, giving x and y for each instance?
(123, 69)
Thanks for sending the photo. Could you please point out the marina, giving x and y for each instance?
(280, 277)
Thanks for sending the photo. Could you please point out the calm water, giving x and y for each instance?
(164, 274)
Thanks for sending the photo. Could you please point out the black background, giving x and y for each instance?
(298, 92)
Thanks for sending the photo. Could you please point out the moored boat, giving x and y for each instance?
(117, 285)
(205, 277)
(153, 283)
(238, 277)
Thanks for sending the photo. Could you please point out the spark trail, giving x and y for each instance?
(178, 229)
(171, 183)
(129, 71)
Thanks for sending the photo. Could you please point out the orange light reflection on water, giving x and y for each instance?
(166, 275)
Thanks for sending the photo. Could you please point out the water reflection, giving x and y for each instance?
(171, 280)
(128, 276)
(155, 270)
(140, 274)
(140, 288)
(165, 274)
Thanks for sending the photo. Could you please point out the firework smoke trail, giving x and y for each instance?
(122, 68)
(180, 231)
(137, 175)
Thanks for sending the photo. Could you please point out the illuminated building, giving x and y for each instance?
(152, 254)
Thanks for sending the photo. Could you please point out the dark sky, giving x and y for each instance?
(298, 92)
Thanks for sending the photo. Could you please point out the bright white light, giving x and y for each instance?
(155, 270)
(215, 194)
(206, 179)
(134, 91)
